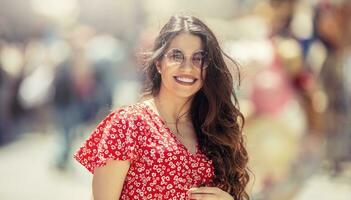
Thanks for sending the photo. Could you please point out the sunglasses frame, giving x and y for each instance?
(204, 63)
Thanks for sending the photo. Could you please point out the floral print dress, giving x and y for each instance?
(161, 166)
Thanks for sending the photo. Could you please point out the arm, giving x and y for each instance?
(108, 180)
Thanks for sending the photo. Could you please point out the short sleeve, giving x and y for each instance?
(113, 139)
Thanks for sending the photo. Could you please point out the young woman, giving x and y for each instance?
(184, 140)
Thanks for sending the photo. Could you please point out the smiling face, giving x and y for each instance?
(181, 78)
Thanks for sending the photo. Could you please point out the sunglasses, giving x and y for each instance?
(176, 57)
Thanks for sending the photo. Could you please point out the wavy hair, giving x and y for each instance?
(214, 110)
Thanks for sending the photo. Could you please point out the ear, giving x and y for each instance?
(158, 66)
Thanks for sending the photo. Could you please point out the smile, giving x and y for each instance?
(184, 80)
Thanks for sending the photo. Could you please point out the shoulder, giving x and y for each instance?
(117, 137)
(132, 113)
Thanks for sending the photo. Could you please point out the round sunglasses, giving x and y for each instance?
(176, 57)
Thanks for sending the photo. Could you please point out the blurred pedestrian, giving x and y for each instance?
(334, 29)
(75, 98)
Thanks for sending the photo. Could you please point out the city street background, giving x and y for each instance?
(66, 64)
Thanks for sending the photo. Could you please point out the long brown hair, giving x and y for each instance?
(214, 110)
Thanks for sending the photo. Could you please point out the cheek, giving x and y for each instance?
(167, 74)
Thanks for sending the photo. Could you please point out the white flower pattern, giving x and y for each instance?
(161, 167)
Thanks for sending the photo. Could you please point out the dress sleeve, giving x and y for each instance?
(113, 139)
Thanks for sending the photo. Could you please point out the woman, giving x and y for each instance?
(184, 140)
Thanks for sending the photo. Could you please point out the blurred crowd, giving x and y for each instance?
(295, 91)
(297, 101)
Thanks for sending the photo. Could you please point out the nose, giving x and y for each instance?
(187, 64)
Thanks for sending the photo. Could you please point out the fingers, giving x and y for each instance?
(211, 190)
(203, 193)
(208, 193)
(203, 196)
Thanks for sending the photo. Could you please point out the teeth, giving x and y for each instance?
(187, 80)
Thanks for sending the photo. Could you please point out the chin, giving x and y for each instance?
(176, 91)
(186, 95)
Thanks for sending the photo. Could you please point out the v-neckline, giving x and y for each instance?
(155, 114)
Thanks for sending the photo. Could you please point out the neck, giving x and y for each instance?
(172, 108)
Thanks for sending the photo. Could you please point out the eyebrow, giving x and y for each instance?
(183, 50)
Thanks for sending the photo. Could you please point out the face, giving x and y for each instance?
(182, 66)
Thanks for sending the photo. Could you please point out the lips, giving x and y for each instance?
(185, 80)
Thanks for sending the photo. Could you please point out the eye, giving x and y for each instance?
(198, 58)
(176, 56)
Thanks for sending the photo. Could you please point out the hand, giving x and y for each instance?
(208, 193)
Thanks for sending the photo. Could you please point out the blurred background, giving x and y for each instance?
(66, 64)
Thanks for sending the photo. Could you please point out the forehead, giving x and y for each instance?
(186, 42)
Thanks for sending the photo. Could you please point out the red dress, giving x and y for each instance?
(161, 166)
